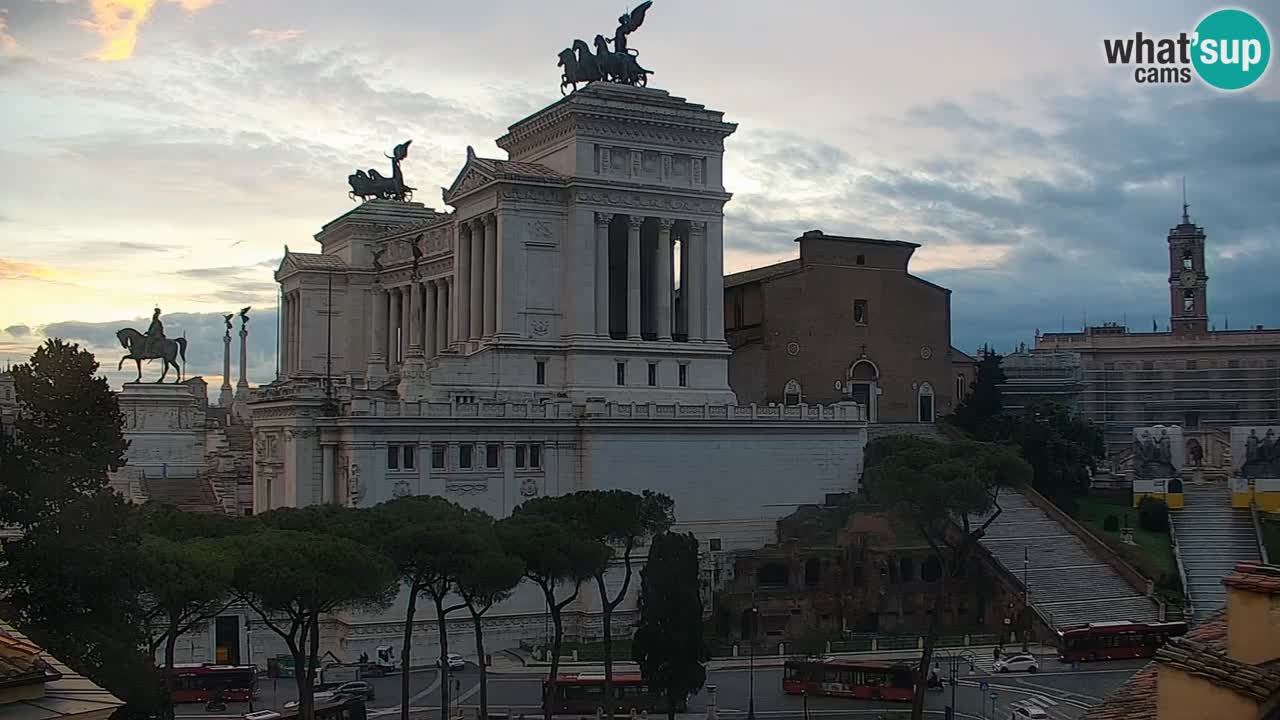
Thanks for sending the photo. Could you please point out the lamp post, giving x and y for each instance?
(1026, 593)
(953, 660)
(248, 643)
(751, 673)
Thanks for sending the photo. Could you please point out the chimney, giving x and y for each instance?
(1253, 613)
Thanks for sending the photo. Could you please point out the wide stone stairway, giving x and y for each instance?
(1212, 537)
(1068, 584)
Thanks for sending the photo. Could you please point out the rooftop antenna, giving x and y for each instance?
(1186, 219)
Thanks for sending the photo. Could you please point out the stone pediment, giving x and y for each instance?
(479, 172)
(308, 262)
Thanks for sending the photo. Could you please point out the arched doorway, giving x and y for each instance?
(791, 394)
(926, 403)
(864, 386)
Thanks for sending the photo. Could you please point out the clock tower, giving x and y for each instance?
(1188, 283)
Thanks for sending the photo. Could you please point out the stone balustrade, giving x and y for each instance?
(600, 410)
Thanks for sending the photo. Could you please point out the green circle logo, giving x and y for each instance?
(1231, 49)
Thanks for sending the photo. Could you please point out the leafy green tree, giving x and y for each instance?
(620, 521)
(292, 579)
(69, 431)
(948, 494)
(984, 402)
(185, 582)
(557, 557)
(669, 645)
(490, 577)
(431, 542)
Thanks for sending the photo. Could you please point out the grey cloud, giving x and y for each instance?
(18, 331)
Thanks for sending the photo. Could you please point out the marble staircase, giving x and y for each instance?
(1068, 584)
(1212, 537)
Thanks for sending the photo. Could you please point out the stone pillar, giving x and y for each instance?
(377, 331)
(682, 319)
(713, 292)
(224, 397)
(429, 320)
(490, 276)
(602, 273)
(243, 383)
(443, 326)
(406, 321)
(393, 328)
(415, 320)
(462, 284)
(696, 297)
(328, 462)
(662, 273)
(633, 276)
(475, 328)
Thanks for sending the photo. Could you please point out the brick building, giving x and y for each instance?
(836, 570)
(846, 320)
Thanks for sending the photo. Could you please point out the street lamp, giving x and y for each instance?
(1026, 592)
(248, 643)
(953, 660)
(751, 673)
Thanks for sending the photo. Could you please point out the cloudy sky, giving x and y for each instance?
(164, 151)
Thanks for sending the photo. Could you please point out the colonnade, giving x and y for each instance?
(650, 282)
(411, 321)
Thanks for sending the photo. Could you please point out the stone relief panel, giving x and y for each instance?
(542, 277)
(1157, 451)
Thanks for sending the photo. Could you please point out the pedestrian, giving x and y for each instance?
(996, 652)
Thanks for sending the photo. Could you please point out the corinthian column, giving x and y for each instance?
(415, 320)
(602, 273)
(377, 328)
(443, 329)
(476, 327)
(462, 283)
(662, 273)
(633, 276)
(393, 334)
(224, 397)
(490, 276)
(429, 320)
(696, 305)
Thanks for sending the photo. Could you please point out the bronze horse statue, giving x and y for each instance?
(372, 184)
(167, 350)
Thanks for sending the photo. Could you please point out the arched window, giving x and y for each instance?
(791, 394)
(926, 403)
(962, 388)
(812, 572)
(864, 379)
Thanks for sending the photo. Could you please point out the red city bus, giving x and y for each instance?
(583, 693)
(868, 680)
(201, 683)
(1115, 640)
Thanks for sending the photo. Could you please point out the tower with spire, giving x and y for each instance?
(1188, 281)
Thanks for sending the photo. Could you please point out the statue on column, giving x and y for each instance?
(226, 320)
(152, 346)
(244, 317)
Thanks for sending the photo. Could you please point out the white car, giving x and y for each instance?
(1023, 711)
(1017, 663)
(455, 662)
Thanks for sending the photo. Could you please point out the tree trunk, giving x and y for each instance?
(170, 643)
(444, 657)
(484, 670)
(311, 650)
(558, 629)
(606, 616)
(405, 653)
(300, 675)
(926, 655)
(671, 704)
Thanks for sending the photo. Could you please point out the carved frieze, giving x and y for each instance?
(646, 201)
(531, 194)
(471, 487)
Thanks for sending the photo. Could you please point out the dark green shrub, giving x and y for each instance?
(1153, 515)
(1111, 524)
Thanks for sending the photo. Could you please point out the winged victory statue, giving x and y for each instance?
(619, 65)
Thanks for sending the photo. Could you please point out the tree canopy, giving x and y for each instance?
(668, 643)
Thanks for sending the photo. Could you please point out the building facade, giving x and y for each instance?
(845, 321)
(1201, 378)
(528, 343)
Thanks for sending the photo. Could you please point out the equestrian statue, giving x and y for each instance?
(373, 185)
(618, 65)
(153, 346)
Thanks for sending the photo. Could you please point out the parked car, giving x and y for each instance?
(1017, 663)
(358, 688)
(1026, 711)
(455, 662)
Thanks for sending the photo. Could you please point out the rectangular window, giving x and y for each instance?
(653, 374)
(393, 457)
(535, 456)
(491, 455)
(862, 260)
(622, 373)
(437, 457)
(520, 456)
(409, 452)
(464, 456)
(684, 375)
(860, 312)
(542, 372)
(715, 544)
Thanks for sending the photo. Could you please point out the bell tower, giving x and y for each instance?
(1188, 282)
